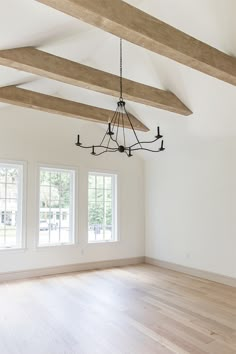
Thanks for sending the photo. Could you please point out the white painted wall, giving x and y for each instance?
(191, 205)
(37, 137)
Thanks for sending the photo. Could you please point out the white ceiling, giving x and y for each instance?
(28, 23)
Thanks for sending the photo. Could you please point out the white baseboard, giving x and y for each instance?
(223, 279)
(34, 273)
(41, 272)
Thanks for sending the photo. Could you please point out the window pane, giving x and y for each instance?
(56, 207)
(2, 190)
(2, 207)
(45, 196)
(12, 175)
(65, 199)
(65, 235)
(10, 206)
(2, 175)
(108, 181)
(108, 213)
(55, 192)
(54, 204)
(44, 237)
(65, 180)
(99, 195)
(10, 236)
(100, 180)
(91, 181)
(11, 190)
(91, 194)
(100, 208)
(55, 180)
(44, 178)
(55, 236)
(108, 195)
(2, 223)
(2, 238)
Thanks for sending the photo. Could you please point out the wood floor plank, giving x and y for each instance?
(130, 310)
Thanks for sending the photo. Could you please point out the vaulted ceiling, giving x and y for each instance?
(212, 101)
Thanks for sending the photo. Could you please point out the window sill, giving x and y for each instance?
(55, 246)
(13, 250)
(103, 242)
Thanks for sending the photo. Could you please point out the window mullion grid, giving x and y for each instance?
(71, 207)
(50, 203)
(18, 216)
(113, 203)
(5, 204)
(104, 210)
(60, 213)
(95, 231)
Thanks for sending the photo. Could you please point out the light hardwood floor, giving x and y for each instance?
(138, 309)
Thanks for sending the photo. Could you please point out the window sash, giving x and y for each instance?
(19, 205)
(57, 213)
(104, 202)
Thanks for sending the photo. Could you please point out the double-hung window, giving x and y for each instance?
(11, 205)
(102, 207)
(57, 206)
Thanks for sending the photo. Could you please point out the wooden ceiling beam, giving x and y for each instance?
(30, 99)
(53, 67)
(136, 26)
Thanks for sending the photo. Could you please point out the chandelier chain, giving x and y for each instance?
(121, 71)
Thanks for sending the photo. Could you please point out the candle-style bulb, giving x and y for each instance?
(109, 129)
(158, 136)
(78, 143)
(162, 146)
(93, 152)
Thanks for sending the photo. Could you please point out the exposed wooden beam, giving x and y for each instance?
(30, 99)
(53, 67)
(136, 26)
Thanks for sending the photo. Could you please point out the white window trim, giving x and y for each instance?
(115, 207)
(22, 204)
(74, 223)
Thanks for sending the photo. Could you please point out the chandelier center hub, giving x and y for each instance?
(121, 148)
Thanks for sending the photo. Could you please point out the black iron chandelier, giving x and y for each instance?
(114, 139)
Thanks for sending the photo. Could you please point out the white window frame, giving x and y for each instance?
(73, 194)
(21, 204)
(115, 177)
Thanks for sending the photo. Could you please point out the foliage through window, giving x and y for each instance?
(11, 185)
(56, 221)
(101, 207)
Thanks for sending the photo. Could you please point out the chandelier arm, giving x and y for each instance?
(97, 146)
(108, 143)
(115, 141)
(132, 127)
(137, 149)
(144, 142)
(103, 152)
(111, 139)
